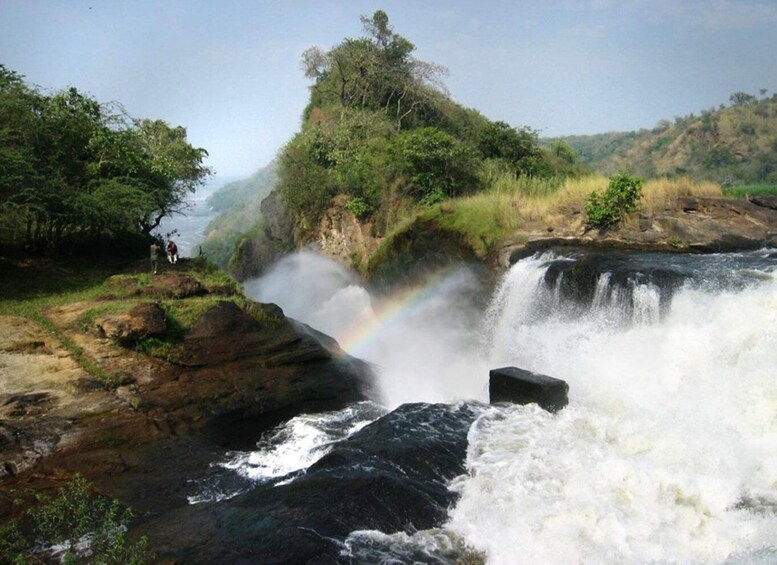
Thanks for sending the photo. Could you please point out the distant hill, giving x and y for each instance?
(731, 145)
(237, 205)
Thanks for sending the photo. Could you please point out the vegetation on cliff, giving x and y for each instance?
(381, 134)
(75, 173)
(381, 129)
(74, 526)
(239, 214)
(734, 145)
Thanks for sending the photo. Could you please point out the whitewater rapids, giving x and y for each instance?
(667, 452)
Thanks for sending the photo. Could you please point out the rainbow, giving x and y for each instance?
(393, 310)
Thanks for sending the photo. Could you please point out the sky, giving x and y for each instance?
(229, 70)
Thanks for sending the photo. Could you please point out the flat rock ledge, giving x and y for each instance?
(699, 225)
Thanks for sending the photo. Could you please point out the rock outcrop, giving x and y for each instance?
(391, 476)
(158, 402)
(694, 224)
(341, 236)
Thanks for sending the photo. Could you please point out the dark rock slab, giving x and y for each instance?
(391, 476)
(765, 201)
(511, 384)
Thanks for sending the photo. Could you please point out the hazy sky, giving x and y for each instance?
(229, 71)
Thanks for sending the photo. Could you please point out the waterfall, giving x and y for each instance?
(668, 450)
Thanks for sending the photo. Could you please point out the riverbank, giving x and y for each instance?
(137, 382)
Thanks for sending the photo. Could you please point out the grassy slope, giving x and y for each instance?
(733, 146)
(514, 208)
(31, 287)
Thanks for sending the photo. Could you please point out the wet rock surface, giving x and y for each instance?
(390, 476)
(149, 425)
(519, 386)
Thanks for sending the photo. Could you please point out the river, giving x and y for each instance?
(667, 452)
(187, 229)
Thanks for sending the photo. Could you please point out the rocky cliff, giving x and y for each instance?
(139, 389)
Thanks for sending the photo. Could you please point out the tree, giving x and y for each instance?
(605, 209)
(72, 170)
(517, 147)
(175, 166)
(434, 165)
(375, 72)
(741, 98)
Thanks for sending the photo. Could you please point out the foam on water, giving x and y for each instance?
(668, 450)
(300, 442)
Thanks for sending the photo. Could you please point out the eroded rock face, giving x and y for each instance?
(44, 395)
(341, 236)
(160, 421)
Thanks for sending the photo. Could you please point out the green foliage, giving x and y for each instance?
(238, 205)
(675, 241)
(741, 98)
(84, 528)
(359, 208)
(380, 130)
(434, 165)
(743, 191)
(605, 209)
(234, 195)
(729, 145)
(306, 185)
(517, 147)
(375, 73)
(718, 157)
(72, 170)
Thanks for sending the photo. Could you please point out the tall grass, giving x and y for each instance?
(750, 190)
(662, 193)
(511, 207)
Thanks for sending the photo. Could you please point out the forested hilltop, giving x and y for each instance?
(734, 145)
(381, 138)
(77, 175)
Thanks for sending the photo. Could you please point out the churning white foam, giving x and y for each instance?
(421, 345)
(300, 442)
(668, 450)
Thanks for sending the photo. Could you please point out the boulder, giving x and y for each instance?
(765, 201)
(142, 320)
(511, 384)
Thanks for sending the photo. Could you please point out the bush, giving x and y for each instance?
(605, 209)
(434, 165)
(74, 526)
(359, 208)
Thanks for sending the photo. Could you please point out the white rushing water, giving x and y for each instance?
(667, 452)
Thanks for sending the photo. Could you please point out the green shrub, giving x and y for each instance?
(605, 209)
(359, 208)
(434, 165)
(84, 527)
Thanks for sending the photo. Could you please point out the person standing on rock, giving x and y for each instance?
(172, 252)
(155, 249)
